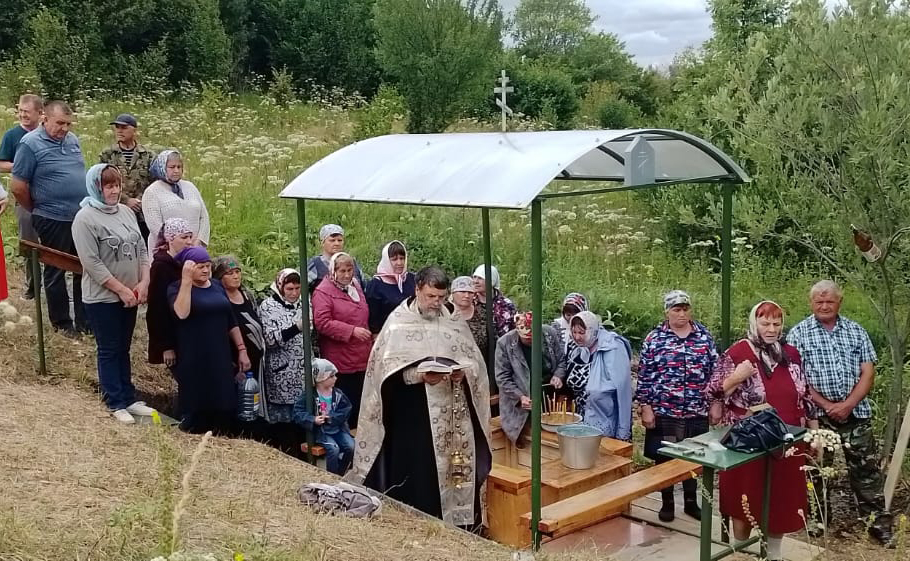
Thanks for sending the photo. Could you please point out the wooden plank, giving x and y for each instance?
(508, 478)
(318, 450)
(53, 257)
(558, 476)
(599, 504)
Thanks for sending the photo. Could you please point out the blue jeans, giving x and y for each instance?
(113, 326)
(339, 451)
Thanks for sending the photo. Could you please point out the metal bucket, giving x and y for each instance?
(579, 446)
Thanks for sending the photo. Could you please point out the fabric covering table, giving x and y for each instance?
(713, 461)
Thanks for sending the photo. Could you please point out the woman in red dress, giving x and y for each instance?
(763, 369)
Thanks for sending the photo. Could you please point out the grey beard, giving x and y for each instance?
(429, 314)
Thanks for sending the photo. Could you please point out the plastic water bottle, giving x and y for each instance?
(248, 409)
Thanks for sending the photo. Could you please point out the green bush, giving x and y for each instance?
(281, 88)
(18, 77)
(378, 117)
(617, 114)
(543, 91)
(58, 56)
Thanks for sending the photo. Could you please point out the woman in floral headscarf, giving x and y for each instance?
(574, 303)
(600, 376)
(282, 324)
(513, 373)
(171, 196)
(391, 285)
(342, 319)
(762, 369)
(173, 237)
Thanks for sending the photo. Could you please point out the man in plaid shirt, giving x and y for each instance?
(839, 361)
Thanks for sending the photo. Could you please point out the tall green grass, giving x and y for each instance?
(241, 151)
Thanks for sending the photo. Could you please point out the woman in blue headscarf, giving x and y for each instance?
(207, 335)
(171, 196)
(115, 282)
(600, 376)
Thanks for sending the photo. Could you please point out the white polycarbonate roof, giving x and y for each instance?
(505, 170)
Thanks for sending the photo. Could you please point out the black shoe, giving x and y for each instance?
(691, 508)
(69, 332)
(83, 330)
(883, 536)
(667, 512)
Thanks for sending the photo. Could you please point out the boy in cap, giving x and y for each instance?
(331, 236)
(330, 423)
(133, 160)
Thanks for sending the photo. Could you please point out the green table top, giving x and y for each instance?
(720, 460)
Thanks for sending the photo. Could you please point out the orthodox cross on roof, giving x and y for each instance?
(504, 90)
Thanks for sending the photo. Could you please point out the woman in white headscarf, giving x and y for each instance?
(600, 376)
(342, 319)
(282, 322)
(504, 310)
(764, 369)
(390, 286)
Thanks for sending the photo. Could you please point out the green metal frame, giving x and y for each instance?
(537, 280)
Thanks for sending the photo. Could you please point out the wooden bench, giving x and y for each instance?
(318, 451)
(52, 257)
(609, 500)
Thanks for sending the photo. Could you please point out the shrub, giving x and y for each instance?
(16, 78)
(377, 118)
(281, 88)
(545, 92)
(58, 56)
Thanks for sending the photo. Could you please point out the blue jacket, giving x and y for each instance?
(338, 416)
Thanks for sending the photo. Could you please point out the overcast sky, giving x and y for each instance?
(653, 30)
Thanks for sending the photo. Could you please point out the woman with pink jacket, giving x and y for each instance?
(341, 316)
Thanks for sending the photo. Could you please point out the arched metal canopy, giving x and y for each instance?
(507, 170)
(510, 171)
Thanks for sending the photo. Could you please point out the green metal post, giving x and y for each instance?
(35, 264)
(536, 365)
(726, 267)
(305, 312)
(766, 507)
(488, 275)
(707, 509)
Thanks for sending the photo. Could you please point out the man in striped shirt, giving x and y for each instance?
(839, 362)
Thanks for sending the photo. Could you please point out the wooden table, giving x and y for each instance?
(722, 460)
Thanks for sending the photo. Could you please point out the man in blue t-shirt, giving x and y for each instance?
(49, 181)
(30, 109)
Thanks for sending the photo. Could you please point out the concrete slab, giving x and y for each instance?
(646, 508)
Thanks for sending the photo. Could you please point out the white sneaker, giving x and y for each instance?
(123, 416)
(141, 409)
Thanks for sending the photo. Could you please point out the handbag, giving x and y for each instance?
(761, 432)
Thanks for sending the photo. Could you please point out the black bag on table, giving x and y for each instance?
(760, 432)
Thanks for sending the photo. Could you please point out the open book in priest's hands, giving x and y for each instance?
(439, 365)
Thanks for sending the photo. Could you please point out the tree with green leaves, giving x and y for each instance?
(829, 128)
(58, 55)
(441, 54)
(550, 27)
